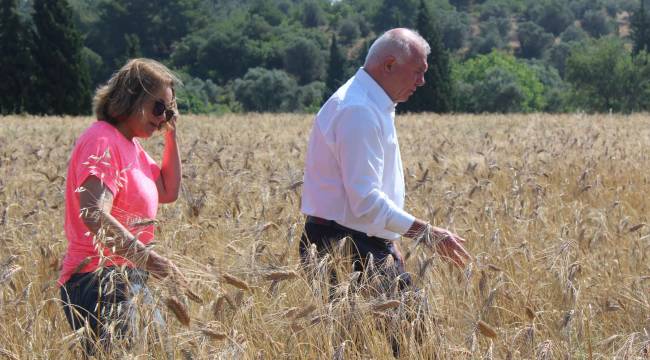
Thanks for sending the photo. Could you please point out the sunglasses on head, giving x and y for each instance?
(160, 108)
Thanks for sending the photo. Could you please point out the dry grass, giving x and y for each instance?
(554, 209)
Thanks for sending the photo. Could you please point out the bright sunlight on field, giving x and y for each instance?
(554, 209)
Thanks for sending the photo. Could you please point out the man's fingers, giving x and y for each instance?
(444, 248)
(452, 256)
(452, 250)
(465, 253)
(457, 246)
(459, 260)
(456, 258)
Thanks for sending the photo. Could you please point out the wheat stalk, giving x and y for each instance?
(236, 282)
(179, 310)
(280, 275)
(486, 330)
(390, 304)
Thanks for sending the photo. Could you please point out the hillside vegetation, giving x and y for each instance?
(288, 56)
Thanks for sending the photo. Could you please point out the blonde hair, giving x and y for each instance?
(126, 90)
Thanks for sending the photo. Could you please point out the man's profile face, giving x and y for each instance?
(405, 78)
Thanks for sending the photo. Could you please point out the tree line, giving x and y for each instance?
(290, 55)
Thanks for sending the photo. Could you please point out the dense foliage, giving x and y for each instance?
(289, 55)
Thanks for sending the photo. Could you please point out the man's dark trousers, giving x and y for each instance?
(326, 235)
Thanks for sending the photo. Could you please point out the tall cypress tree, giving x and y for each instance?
(335, 69)
(63, 77)
(640, 29)
(16, 62)
(436, 94)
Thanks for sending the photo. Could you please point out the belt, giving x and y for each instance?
(333, 224)
(320, 221)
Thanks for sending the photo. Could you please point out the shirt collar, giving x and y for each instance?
(376, 92)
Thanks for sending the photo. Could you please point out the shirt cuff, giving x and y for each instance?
(400, 222)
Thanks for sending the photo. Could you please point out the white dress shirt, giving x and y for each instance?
(353, 167)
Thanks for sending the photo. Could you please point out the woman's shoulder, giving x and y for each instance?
(99, 137)
(101, 128)
(100, 132)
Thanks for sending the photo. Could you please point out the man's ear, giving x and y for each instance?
(389, 63)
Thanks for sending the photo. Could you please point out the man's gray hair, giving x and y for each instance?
(398, 43)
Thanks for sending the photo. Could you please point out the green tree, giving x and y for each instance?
(395, 13)
(489, 40)
(16, 62)
(573, 33)
(604, 77)
(640, 29)
(303, 59)
(580, 7)
(150, 28)
(502, 26)
(455, 27)
(220, 53)
(596, 23)
(349, 31)
(335, 69)
(263, 90)
(493, 10)
(533, 40)
(436, 93)
(553, 15)
(557, 55)
(268, 10)
(312, 14)
(308, 97)
(461, 5)
(63, 78)
(554, 88)
(497, 82)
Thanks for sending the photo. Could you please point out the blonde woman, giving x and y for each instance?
(113, 189)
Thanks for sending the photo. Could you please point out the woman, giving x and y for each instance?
(113, 189)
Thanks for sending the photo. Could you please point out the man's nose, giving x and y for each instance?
(420, 81)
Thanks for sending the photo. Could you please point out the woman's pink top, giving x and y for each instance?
(129, 173)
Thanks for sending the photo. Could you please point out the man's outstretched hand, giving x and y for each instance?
(447, 244)
(450, 246)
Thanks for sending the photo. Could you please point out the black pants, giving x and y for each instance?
(327, 235)
(97, 300)
(393, 279)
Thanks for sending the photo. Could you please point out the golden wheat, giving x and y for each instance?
(236, 282)
(552, 207)
(280, 275)
(485, 329)
(179, 310)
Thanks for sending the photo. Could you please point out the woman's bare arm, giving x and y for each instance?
(96, 203)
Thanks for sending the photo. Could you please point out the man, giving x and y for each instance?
(354, 181)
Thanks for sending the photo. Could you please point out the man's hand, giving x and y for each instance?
(446, 243)
(450, 246)
(397, 253)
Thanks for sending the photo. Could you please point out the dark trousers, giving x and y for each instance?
(326, 235)
(381, 277)
(97, 300)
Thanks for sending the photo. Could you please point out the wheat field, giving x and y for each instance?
(554, 209)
